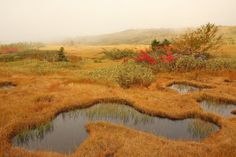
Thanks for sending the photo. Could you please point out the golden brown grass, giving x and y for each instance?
(37, 99)
(24, 107)
(227, 51)
(91, 51)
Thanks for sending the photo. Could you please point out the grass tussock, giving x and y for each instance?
(116, 54)
(126, 75)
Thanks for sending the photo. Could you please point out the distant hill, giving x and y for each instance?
(145, 36)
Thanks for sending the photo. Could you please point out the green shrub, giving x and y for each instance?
(132, 74)
(108, 74)
(61, 55)
(116, 54)
(157, 44)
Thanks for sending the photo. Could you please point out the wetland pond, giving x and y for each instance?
(7, 85)
(183, 88)
(223, 109)
(67, 131)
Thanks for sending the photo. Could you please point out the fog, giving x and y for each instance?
(48, 20)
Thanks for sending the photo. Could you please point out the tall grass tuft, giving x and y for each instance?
(116, 54)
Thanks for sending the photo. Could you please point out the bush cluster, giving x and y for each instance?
(116, 54)
(132, 74)
(126, 75)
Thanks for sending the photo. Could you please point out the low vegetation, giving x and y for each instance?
(134, 75)
(22, 51)
(189, 52)
(19, 47)
(116, 54)
(50, 56)
(126, 75)
(38, 67)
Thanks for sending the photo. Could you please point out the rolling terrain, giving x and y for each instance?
(145, 36)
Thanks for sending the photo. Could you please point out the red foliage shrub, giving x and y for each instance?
(145, 57)
(9, 50)
(165, 57)
(168, 58)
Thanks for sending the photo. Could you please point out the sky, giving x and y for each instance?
(47, 20)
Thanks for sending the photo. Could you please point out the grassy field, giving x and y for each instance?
(44, 89)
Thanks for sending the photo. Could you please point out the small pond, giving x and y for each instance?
(6, 85)
(223, 109)
(183, 88)
(67, 131)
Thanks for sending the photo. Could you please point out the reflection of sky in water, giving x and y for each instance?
(218, 108)
(67, 131)
(183, 89)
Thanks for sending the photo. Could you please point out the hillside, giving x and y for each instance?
(144, 36)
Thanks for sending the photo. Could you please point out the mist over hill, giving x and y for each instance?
(145, 36)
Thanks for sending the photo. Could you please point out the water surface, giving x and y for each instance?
(67, 131)
(183, 88)
(6, 85)
(223, 109)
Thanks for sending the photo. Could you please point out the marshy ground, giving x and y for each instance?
(39, 95)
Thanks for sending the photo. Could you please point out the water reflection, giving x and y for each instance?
(223, 109)
(35, 134)
(200, 129)
(183, 89)
(66, 132)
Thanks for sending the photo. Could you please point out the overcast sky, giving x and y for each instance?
(38, 20)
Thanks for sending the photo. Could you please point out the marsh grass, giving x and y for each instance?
(18, 108)
(49, 56)
(38, 132)
(38, 67)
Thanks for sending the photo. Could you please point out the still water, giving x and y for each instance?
(67, 131)
(184, 89)
(223, 109)
(6, 85)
